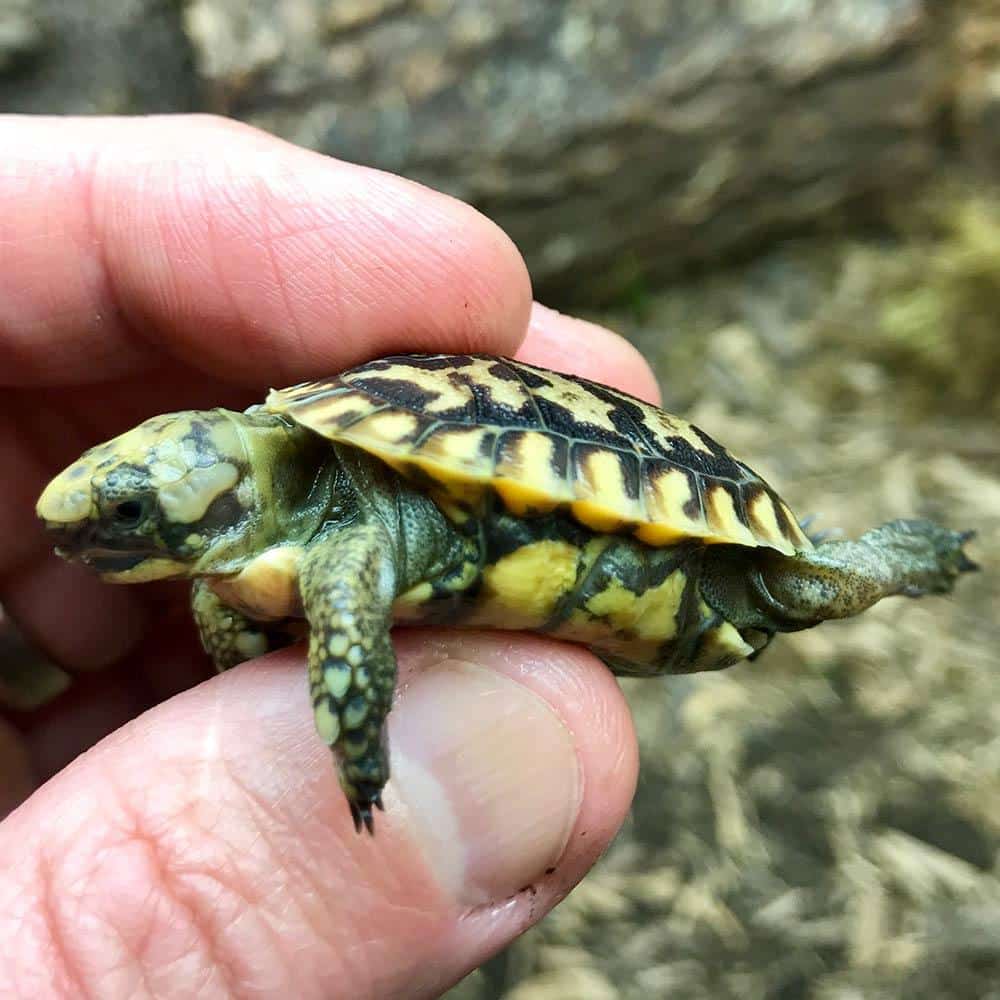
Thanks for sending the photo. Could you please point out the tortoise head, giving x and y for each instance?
(161, 500)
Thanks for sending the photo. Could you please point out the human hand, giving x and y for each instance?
(203, 847)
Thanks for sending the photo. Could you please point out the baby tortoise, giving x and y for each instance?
(474, 491)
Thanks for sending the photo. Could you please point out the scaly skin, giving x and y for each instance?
(348, 582)
(273, 522)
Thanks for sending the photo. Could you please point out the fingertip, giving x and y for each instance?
(78, 621)
(525, 745)
(308, 264)
(579, 347)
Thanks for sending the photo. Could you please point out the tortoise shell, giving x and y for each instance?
(465, 425)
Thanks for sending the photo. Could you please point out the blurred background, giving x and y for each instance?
(790, 207)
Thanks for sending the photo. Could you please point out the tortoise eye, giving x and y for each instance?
(128, 513)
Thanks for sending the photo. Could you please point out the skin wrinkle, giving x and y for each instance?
(255, 230)
(114, 856)
(320, 917)
(351, 883)
(278, 861)
(85, 175)
(58, 946)
(70, 895)
(434, 232)
(172, 297)
(332, 223)
(284, 860)
(556, 706)
(171, 884)
(79, 187)
(267, 216)
(215, 894)
(242, 331)
(20, 927)
(138, 949)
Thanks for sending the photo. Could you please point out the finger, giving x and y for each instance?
(97, 705)
(209, 839)
(16, 775)
(581, 348)
(169, 660)
(69, 615)
(250, 258)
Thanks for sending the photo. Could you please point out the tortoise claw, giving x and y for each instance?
(816, 537)
(361, 812)
(964, 563)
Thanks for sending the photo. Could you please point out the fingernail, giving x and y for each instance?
(488, 775)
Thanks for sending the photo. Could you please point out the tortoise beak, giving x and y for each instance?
(73, 541)
(68, 536)
(65, 508)
(76, 542)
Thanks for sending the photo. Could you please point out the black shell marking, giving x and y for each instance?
(542, 440)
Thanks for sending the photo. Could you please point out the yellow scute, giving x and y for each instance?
(530, 463)
(723, 518)
(522, 497)
(531, 580)
(650, 615)
(721, 646)
(458, 446)
(596, 516)
(391, 426)
(407, 606)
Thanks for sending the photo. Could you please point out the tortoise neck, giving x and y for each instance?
(289, 490)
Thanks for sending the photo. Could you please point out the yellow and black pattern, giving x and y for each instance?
(465, 424)
(347, 588)
(523, 500)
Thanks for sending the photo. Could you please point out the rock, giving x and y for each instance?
(94, 57)
(608, 140)
(615, 143)
(21, 34)
(976, 31)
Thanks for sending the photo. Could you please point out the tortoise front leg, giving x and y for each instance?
(227, 635)
(348, 584)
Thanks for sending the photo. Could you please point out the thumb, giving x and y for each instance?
(208, 841)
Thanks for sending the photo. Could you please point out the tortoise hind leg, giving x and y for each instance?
(348, 584)
(841, 578)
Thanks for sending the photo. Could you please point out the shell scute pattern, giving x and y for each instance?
(542, 440)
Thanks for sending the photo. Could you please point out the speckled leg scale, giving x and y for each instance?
(348, 583)
(226, 635)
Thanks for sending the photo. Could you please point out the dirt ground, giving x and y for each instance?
(824, 822)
